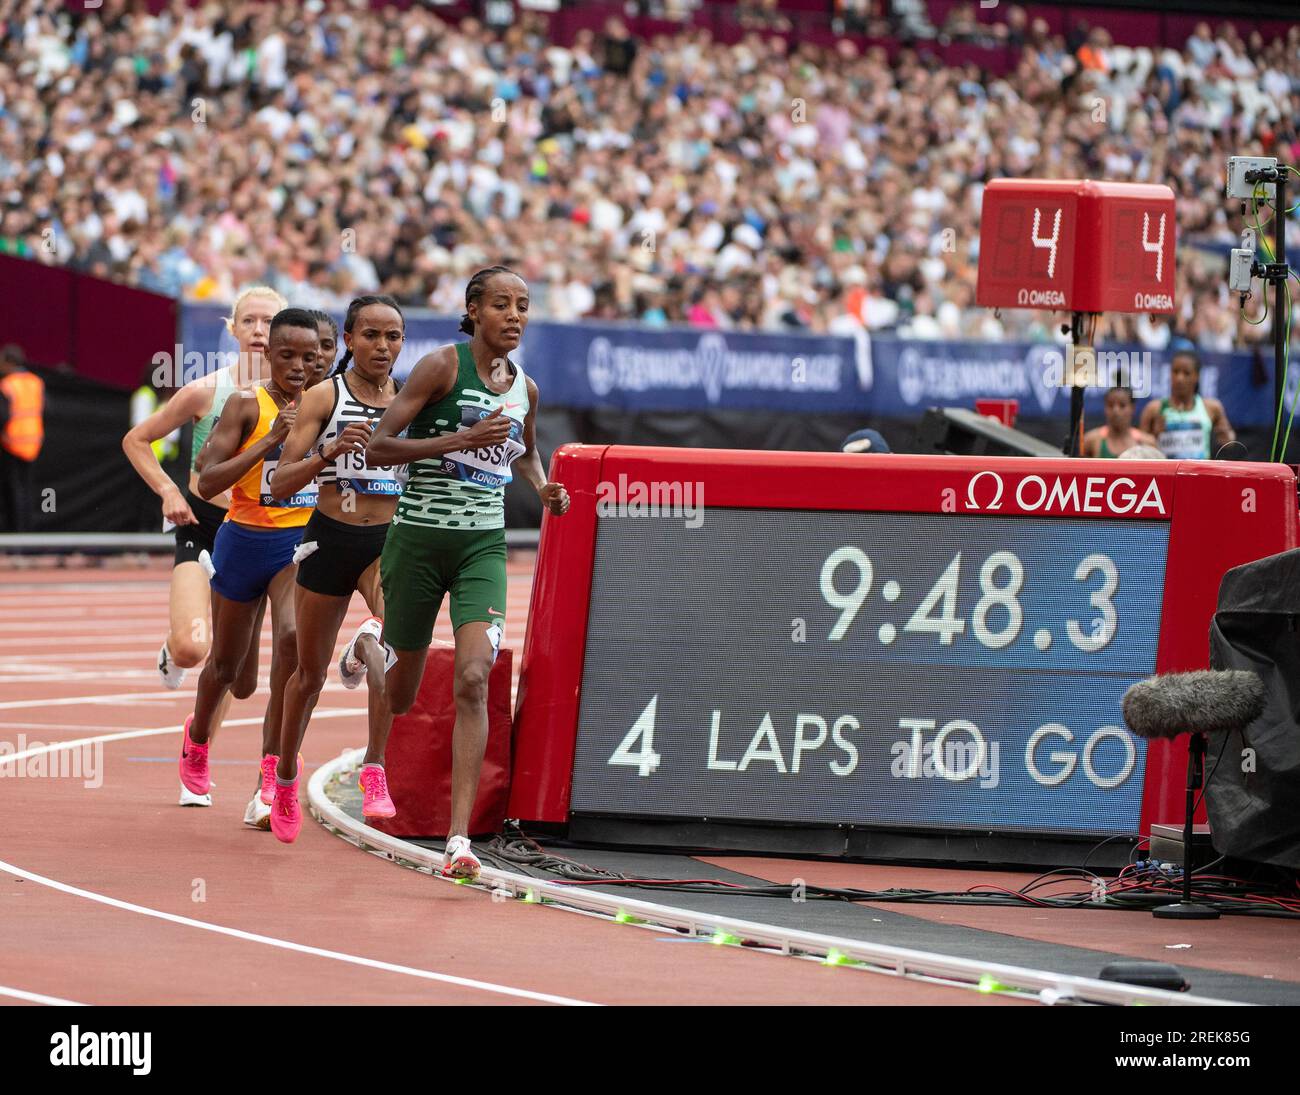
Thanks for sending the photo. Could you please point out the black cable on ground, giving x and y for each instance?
(1140, 886)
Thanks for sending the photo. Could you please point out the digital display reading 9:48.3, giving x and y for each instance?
(896, 670)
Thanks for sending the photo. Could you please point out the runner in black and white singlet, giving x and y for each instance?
(341, 546)
(466, 413)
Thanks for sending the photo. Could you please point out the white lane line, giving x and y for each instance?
(142, 637)
(253, 937)
(36, 661)
(76, 613)
(37, 998)
(158, 695)
(154, 731)
(17, 588)
(57, 677)
(69, 610)
(9, 667)
(147, 641)
(17, 600)
(78, 607)
(289, 945)
(60, 726)
(84, 624)
(107, 697)
(136, 639)
(21, 602)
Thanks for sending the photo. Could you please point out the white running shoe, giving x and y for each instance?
(460, 861)
(173, 676)
(258, 814)
(189, 798)
(352, 670)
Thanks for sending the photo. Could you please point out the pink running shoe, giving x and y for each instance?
(269, 763)
(286, 813)
(374, 785)
(194, 765)
(268, 778)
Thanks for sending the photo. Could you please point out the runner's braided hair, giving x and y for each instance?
(325, 317)
(476, 288)
(349, 321)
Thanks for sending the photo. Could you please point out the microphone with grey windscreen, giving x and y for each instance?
(1211, 701)
(1205, 701)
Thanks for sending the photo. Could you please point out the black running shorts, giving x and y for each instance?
(341, 555)
(191, 540)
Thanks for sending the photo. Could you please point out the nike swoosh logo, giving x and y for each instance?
(494, 612)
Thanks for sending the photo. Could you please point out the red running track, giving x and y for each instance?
(112, 894)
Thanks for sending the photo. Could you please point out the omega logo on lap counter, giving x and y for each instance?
(1077, 246)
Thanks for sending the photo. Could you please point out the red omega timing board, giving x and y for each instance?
(1076, 246)
(868, 644)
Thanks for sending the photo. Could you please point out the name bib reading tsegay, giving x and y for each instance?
(352, 474)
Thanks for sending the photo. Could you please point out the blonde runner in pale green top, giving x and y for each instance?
(225, 387)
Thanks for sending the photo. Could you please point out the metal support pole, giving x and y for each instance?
(1074, 444)
(1279, 293)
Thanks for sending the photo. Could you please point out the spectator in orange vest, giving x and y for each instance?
(22, 430)
(1093, 53)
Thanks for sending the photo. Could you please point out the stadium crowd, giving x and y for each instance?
(332, 150)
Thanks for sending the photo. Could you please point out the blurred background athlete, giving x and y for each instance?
(1187, 426)
(1119, 434)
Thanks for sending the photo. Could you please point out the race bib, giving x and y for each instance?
(489, 466)
(1183, 441)
(353, 475)
(303, 499)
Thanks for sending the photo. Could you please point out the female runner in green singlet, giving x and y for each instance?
(1187, 426)
(468, 412)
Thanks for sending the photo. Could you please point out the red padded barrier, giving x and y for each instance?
(418, 758)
